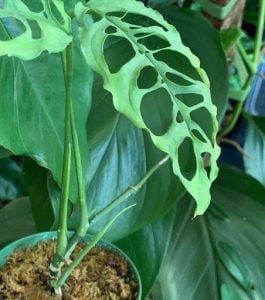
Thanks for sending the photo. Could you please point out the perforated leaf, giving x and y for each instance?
(180, 87)
(48, 29)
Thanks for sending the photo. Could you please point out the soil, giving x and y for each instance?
(102, 275)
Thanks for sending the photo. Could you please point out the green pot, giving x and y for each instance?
(32, 240)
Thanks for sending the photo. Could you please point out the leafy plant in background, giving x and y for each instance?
(157, 84)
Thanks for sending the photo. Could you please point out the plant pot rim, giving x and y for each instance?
(33, 239)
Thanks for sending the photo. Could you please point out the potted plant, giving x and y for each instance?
(159, 75)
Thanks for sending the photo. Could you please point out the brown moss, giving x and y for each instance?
(102, 275)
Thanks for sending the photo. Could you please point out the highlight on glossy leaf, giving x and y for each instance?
(47, 28)
(160, 70)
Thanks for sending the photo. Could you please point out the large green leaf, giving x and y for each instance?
(183, 86)
(32, 106)
(47, 29)
(219, 255)
(254, 148)
(16, 221)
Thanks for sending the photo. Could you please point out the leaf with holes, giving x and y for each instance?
(180, 86)
(48, 29)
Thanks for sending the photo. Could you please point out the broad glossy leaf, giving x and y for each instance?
(254, 146)
(47, 29)
(184, 86)
(147, 249)
(32, 105)
(16, 221)
(219, 255)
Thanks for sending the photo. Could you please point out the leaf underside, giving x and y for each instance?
(47, 29)
(183, 93)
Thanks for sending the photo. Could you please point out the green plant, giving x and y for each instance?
(184, 87)
(118, 141)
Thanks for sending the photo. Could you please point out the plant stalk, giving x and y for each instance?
(61, 246)
(259, 33)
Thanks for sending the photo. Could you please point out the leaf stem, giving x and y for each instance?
(128, 192)
(259, 33)
(61, 246)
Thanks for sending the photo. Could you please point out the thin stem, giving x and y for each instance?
(61, 246)
(259, 33)
(69, 269)
(83, 224)
(127, 193)
(246, 58)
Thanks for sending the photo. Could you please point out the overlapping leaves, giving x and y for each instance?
(183, 92)
(48, 29)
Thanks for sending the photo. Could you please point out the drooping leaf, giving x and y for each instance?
(254, 147)
(185, 94)
(32, 97)
(219, 255)
(47, 29)
(16, 221)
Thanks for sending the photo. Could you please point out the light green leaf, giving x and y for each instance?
(48, 29)
(183, 98)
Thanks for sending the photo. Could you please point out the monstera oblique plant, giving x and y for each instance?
(49, 50)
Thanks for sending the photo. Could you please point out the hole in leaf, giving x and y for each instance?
(118, 14)
(34, 6)
(178, 62)
(56, 13)
(187, 159)
(147, 78)
(177, 79)
(203, 118)
(141, 21)
(119, 55)
(35, 28)
(198, 135)
(110, 30)
(179, 117)
(156, 110)
(16, 28)
(154, 42)
(190, 99)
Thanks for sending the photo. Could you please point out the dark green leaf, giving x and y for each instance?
(32, 105)
(16, 221)
(36, 184)
(219, 255)
(254, 148)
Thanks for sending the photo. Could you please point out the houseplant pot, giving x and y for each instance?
(34, 239)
